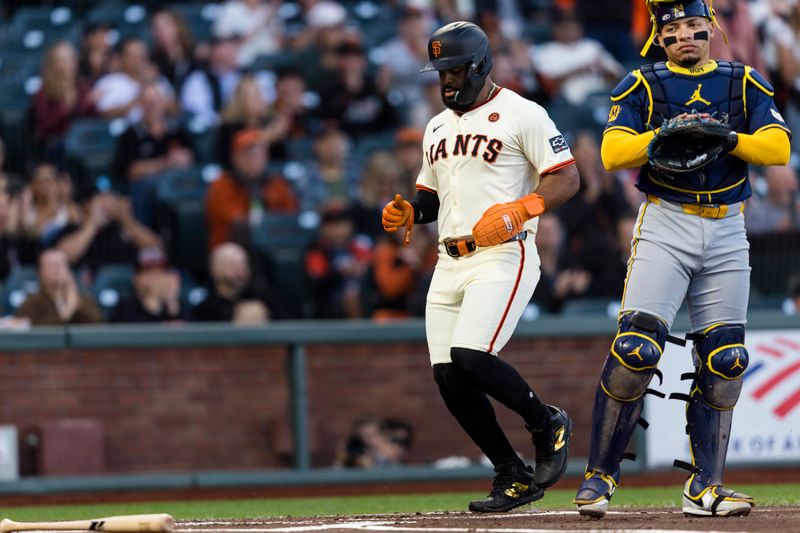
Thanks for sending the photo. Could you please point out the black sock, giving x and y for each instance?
(474, 412)
(502, 382)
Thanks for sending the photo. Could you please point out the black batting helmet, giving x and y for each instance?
(458, 44)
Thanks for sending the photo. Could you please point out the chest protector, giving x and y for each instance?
(719, 93)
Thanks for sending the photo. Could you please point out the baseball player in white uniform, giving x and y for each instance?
(484, 156)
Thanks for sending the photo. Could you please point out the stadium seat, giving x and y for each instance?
(199, 17)
(21, 282)
(181, 219)
(774, 260)
(111, 283)
(89, 149)
(15, 126)
(283, 239)
(272, 62)
(203, 137)
(18, 66)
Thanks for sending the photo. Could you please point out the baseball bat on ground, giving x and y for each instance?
(159, 523)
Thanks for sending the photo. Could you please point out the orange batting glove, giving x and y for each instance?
(398, 213)
(502, 221)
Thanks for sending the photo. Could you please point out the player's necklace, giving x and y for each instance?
(491, 91)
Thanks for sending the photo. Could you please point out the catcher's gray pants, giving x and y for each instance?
(676, 254)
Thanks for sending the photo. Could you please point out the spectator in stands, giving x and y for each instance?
(257, 22)
(397, 272)
(385, 174)
(172, 46)
(407, 141)
(610, 22)
(572, 65)
(791, 306)
(316, 45)
(58, 300)
(609, 281)
(109, 233)
(743, 40)
(62, 99)
(407, 52)
(590, 217)
(337, 264)
(207, 90)
(8, 254)
(238, 200)
(782, 54)
(779, 209)
(46, 207)
(248, 109)
(357, 99)
(291, 106)
(375, 443)
(557, 282)
(7, 180)
(119, 92)
(430, 105)
(232, 295)
(157, 289)
(380, 178)
(148, 148)
(331, 174)
(95, 53)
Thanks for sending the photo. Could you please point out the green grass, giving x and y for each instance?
(765, 495)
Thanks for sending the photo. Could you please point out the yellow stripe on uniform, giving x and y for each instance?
(634, 246)
(639, 78)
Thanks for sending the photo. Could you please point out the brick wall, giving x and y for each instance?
(178, 409)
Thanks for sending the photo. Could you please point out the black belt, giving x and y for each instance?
(461, 246)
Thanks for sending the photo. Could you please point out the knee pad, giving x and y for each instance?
(722, 359)
(634, 356)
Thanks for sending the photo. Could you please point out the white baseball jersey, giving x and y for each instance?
(492, 154)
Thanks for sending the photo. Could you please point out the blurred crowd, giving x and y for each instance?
(255, 142)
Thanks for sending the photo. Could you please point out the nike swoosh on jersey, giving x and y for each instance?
(437, 127)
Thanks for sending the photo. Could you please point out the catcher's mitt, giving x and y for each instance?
(691, 143)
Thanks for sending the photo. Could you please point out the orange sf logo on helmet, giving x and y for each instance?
(436, 48)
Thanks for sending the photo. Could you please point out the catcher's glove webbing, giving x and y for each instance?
(687, 144)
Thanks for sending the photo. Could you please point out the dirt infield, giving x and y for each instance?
(781, 519)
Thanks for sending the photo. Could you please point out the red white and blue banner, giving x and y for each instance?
(766, 421)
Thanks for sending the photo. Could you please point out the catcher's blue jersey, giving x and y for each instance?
(727, 90)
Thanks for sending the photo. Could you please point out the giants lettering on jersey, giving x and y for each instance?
(466, 145)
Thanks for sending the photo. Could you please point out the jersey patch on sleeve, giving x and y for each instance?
(777, 116)
(558, 144)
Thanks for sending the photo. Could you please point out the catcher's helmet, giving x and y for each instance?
(662, 12)
(457, 44)
(666, 12)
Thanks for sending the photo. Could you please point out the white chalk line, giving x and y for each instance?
(389, 527)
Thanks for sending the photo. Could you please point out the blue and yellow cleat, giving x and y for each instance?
(511, 488)
(715, 501)
(595, 493)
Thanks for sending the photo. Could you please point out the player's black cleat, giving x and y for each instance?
(552, 447)
(511, 488)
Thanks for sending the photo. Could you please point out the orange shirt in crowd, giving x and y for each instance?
(228, 202)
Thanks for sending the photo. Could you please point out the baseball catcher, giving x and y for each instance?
(692, 124)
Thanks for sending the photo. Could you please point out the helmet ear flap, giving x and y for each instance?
(479, 66)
